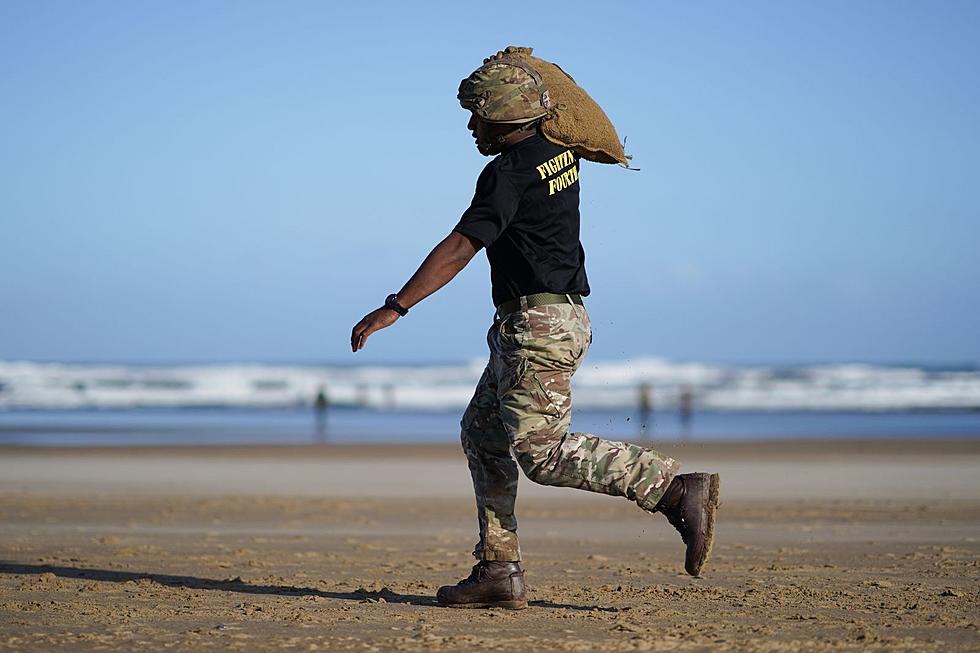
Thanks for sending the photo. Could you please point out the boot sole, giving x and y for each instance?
(509, 605)
(710, 507)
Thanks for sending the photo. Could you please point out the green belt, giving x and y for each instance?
(537, 299)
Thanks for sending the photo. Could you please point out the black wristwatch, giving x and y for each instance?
(392, 303)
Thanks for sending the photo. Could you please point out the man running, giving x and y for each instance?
(525, 213)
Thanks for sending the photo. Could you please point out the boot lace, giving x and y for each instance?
(678, 519)
(477, 574)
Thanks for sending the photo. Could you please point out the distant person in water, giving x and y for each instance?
(646, 409)
(320, 406)
(526, 214)
(686, 409)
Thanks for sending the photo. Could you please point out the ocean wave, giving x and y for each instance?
(610, 384)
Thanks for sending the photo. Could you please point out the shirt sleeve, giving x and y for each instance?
(493, 207)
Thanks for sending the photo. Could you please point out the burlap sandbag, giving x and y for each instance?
(576, 121)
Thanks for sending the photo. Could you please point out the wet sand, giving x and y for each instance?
(821, 546)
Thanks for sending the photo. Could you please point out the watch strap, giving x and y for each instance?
(392, 302)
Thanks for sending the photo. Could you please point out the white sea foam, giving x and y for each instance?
(611, 384)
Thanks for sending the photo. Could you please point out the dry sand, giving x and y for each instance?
(821, 546)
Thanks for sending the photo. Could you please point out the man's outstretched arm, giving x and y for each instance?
(442, 264)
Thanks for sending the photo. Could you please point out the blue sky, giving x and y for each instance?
(243, 181)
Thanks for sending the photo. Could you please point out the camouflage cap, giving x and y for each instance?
(506, 90)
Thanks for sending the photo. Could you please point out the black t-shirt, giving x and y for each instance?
(525, 212)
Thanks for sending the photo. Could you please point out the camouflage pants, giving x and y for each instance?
(522, 406)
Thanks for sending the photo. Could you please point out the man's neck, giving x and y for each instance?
(518, 136)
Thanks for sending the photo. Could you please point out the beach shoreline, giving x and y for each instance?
(822, 545)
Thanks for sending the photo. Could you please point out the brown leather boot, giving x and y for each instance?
(689, 504)
(491, 584)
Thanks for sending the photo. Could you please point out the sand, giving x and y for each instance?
(821, 546)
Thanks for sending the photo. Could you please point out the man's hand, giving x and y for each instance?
(494, 57)
(373, 321)
(443, 262)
